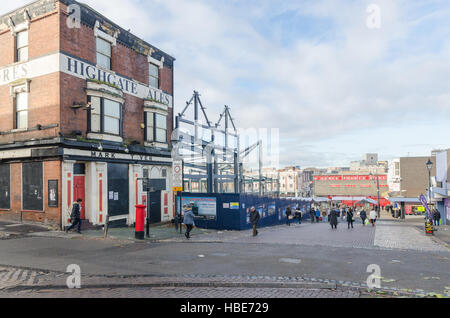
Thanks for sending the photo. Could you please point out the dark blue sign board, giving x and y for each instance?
(228, 217)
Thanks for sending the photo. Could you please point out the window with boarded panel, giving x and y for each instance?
(5, 187)
(32, 186)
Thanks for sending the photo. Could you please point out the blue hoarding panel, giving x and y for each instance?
(232, 210)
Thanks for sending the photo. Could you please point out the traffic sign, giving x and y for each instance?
(177, 174)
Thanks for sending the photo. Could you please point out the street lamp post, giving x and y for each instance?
(429, 165)
(378, 196)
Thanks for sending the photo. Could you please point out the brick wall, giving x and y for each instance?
(43, 35)
(72, 91)
(79, 42)
(414, 175)
(369, 188)
(50, 215)
(52, 96)
(43, 109)
(166, 80)
(127, 62)
(7, 46)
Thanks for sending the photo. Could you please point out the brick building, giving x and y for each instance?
(86, 109)
(408, 176)
(351, 185)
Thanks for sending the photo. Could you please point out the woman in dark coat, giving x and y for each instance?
(350, 218)
(333, 219)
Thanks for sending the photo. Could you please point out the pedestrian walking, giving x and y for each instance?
(288, 216)
(436, 217)
(188, 221)
(254, 219)
(312, 214)
(75, 216)
(317, 215)
(350, 218)
(333, 219)
(298, 215)
(373, 217)
(363, 216)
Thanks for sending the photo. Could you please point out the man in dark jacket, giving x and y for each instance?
(298, 215)
(254, 219)
(288, 215)
(75, 216)
(363, 216)
(436, 217)
(312, 214)
(350, 218)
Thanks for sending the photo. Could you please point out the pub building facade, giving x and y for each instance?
(86, 111)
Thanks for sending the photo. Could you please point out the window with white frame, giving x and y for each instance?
(112, 117)
(103, 53)
(105, 116)
(149, 129)
(21, 109)
(22, 46)
(156, 127)
(153, 75)
(96, 114)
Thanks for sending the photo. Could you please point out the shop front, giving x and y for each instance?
(110, 183)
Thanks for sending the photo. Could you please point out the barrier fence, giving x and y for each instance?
(226, 211)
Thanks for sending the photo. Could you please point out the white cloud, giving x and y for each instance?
(341, 80)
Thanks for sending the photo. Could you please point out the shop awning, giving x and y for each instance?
(405, 200)
(367, 200)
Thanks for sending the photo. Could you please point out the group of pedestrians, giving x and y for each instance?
(347, 214)
(297, 215)
(314, 214)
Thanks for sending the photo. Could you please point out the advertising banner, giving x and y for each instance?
(425, 204)
(206, 206)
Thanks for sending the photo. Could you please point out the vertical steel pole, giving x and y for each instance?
(378, 197)
(236, 173)
(260, 167)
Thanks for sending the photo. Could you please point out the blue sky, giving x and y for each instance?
(334, 88)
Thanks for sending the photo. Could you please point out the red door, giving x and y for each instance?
(78, 193)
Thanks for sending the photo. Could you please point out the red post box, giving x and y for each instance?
(140, 222)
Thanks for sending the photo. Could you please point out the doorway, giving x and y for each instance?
(79, 193)
(154, 203)
(79, 187)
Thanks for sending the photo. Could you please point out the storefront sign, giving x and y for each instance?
(81, 69)
(350, 178)
(31, 69)
(112, 155)
(59, 62)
